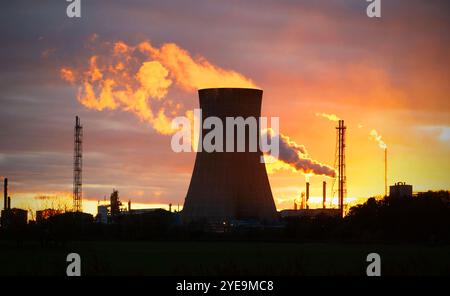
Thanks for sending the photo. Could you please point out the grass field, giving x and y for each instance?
(222, 258)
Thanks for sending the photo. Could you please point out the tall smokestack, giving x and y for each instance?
(5, 193)
(9, 202)
(307, 195)
(324, 192)
(385, 172)
(229, 185)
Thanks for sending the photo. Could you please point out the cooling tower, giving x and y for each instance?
(229, 185)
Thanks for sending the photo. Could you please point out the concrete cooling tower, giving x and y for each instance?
(229, 186)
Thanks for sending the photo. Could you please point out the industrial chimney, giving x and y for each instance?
(5, 193)
(324, 199)
(307, 195)
(385, 172)
(229, 185)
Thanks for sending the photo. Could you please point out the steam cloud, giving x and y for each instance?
(374, 135)
(331, 117)
(296, 157)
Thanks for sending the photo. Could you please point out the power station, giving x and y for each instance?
(232, 185)
(225, 187)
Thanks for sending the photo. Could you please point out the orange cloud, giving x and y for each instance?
(67, 75)
(135, 83)
(191, 74)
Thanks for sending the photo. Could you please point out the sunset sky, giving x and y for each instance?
(389, 74)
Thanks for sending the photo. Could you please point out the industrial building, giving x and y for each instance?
(400, 189)
(233, 185)
(110, 213)
(11, 217)
(14, 217)
(310, 213)
(305, 211)
(42, 215)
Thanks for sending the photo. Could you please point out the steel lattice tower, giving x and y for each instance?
(339, 165)
(342, 190)
(77, 166)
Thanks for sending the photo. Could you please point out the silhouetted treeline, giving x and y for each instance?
(422, 218)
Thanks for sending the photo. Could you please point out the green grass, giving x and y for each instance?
(222, 258)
